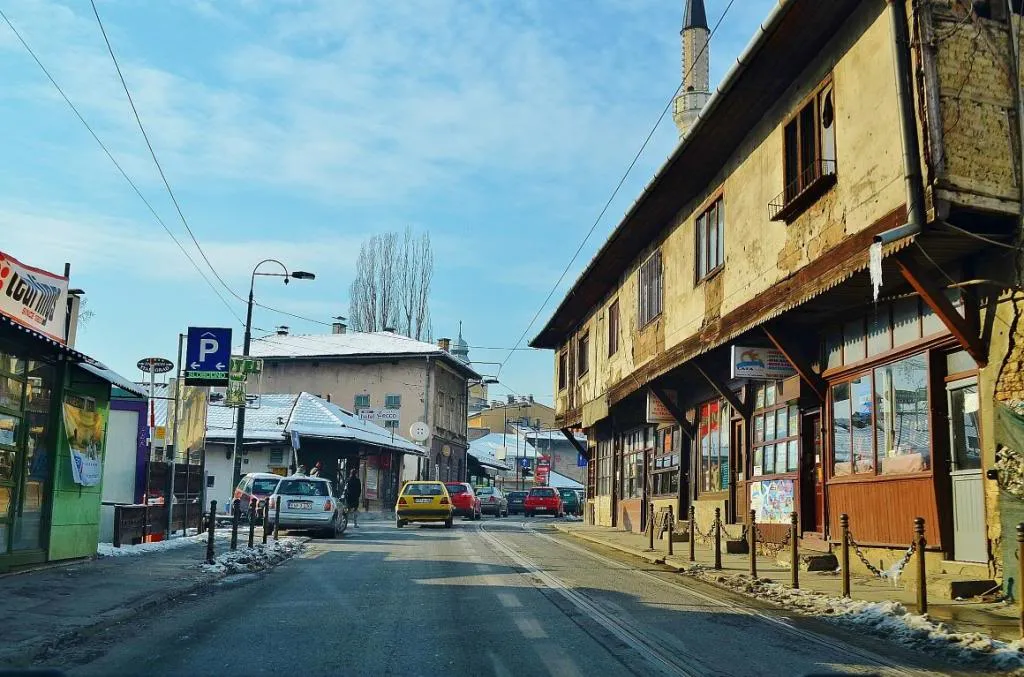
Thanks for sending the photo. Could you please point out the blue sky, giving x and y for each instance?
(298, 128)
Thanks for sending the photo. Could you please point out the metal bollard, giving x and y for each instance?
(794, 551)
(252, 521)
(693, 534)
(844, 552)
(752, 542)
(650, 527)
(922, 577)
(277, 518)
(266, 520)
(212, 527)
(1020, 574)
(236, 515)
(718, 538)
(671, 527)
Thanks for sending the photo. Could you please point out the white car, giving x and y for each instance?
(308, 503)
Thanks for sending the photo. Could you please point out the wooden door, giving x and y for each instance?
(738, 472)
(812, 494)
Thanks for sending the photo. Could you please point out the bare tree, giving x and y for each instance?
(392, 285)
(84, 314)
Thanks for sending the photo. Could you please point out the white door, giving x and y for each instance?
(969, 544)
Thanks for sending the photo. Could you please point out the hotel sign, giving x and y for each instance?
(33, 297)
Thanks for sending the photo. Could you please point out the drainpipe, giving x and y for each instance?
(908, 129)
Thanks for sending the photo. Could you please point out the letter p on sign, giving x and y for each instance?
(207, 346)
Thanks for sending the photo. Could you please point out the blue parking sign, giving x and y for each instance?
(207, 356)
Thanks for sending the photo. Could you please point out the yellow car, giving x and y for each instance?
(424, 501)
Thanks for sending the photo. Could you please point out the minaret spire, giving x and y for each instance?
(696, 88)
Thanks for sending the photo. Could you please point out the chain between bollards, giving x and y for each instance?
(252, 521)
(795, 551)
(752, 542)
(277, 518)
(266, 518)
(209, 535)
(693, 534)
(922, 578)
(844, 552)
(236, 515)
(718, 538)
(671, 528)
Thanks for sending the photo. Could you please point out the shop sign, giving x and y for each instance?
(84, 424)
(379, 414)
(657, 412)
(760, 363)
(33, 297)
(772, 501)
(543, 474)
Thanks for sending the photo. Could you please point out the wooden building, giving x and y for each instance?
(730, 347)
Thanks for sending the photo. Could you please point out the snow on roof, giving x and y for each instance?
(489, 446)
(560, 481)
(308, 415)
(340, 345)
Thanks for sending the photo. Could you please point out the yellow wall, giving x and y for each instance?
(494, 418)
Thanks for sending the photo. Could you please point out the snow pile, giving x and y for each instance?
(108, 549)
(889, 620)
(257, 558)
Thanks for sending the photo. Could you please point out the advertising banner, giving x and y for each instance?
(84, 426)
(33, 297)
(760, 363)
(189, 432)
(657, 412)
(772, 500)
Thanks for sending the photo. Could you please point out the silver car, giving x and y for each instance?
(492, 501)
(308, 503)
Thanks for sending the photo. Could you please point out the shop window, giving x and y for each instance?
(632, 475)
(665, 473)
(613, 328)
(713, 442)
(776, 431)
(11, 390)
(710, 227)
(650, 290)
(605, 466)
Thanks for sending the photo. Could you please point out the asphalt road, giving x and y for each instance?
(496, 597)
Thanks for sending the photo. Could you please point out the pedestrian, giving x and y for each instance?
(315, 472)
(301, 470)
(353, 492)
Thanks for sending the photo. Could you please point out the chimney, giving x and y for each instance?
(339, 326)
(511, 399)
(444, 344)
(529, 398)
(282, 330)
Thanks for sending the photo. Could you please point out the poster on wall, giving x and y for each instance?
(83, 425)
(190, 429)
(33, 297)
(760, 363)
(372, 477)
(772, 501)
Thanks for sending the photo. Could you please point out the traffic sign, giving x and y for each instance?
(241, 367)
(207, 356)
(524, 463)
(154, 365)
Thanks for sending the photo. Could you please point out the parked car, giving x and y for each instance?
(258, 485)
(515, 501)
(308, 503)
(423, 501)
(492, 501)
(543, 500)
(465, 502)
(570, 501)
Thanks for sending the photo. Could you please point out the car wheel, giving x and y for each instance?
(344, 524)
(399, 523)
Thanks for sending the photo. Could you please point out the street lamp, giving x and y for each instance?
(240, 421)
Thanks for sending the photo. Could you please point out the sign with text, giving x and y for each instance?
(543, 470)
(34, 298)
(760, 363)
(207, 356)
(379, 414)
(657, 412)
(84, 426)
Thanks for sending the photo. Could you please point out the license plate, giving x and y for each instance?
(423, 500)
(300, 505)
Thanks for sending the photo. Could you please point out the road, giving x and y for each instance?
(496, 597)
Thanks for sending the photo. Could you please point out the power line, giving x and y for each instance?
(615, 192)
(116, 164)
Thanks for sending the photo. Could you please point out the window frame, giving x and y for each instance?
(761, 412)
(796, 184)
(361, 397)
(563, 368)
(665, 461)
(650, 305)
(613, 327)
(702, 238)
(393, 401)
(583, 354)
(724, 412)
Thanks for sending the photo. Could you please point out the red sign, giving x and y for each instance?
(543, 474)
(33, 297)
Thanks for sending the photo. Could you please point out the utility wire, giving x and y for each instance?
(120, 169)
(615, 192)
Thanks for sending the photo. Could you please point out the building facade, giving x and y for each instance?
(810, 308)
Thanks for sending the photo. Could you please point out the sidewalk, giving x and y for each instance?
(47, 607)
(998, 620)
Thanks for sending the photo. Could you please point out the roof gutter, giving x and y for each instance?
(908, 129)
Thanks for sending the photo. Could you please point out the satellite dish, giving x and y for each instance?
(419, 431)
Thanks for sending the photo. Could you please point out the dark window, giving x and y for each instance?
(563, 369)
(392, 401)
(810, 144)
(613, 327)
(302, 488)
(456, 488)
(546, 493)
(776, 431)
(650, 289)
(362, 401)
(711, 239)
(583, 354)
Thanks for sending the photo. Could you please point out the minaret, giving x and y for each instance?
(696, 57)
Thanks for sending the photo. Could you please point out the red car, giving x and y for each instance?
(545, 500)
(258, 485)
(464, 500)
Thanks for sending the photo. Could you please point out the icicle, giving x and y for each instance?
(875, 268)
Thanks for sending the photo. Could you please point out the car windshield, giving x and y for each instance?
(485, 491)
(456, 488)
(567, 493)
(264, 486)
(545, 493)
(516, 495)
(423, 490)
(302, 488)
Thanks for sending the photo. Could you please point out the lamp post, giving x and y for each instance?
(236, 452)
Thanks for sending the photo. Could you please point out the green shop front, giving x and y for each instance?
(53, 410)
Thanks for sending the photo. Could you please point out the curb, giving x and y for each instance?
(653, 558)
(32, 650)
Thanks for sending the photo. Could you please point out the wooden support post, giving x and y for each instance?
(789, 347)
(673, 409)
(844, 552)
(918, 277)
(752, 542)
(743, 409)
(922, 574)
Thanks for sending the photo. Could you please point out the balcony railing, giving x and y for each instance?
(813, 181)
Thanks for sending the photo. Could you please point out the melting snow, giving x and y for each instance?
(257, 558)
(108, 549)
(875, 267)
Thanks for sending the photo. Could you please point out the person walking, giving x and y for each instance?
(353, 492)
